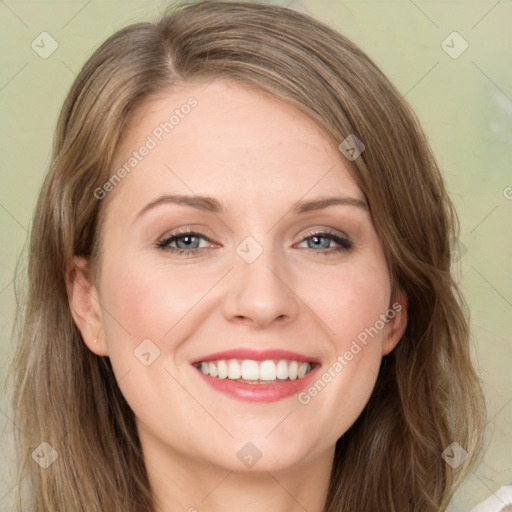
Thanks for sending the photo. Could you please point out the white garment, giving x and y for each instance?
(496, 502)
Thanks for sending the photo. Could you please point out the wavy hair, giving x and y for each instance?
(427, 394)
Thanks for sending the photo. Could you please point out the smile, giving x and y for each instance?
(255, 372)
(253, 375)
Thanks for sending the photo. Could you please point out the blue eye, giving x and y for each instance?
(189, 245)
(189, 240)
(344, 243)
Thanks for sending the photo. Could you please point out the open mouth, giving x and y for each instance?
(249, 371)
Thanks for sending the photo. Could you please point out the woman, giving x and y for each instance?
(240, 290)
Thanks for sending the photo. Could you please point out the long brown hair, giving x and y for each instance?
(427, 395)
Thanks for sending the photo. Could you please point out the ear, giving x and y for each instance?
(395, 327)
(85, 306)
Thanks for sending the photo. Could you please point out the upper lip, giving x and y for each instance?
(256, 355)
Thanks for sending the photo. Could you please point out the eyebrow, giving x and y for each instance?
(212, 205)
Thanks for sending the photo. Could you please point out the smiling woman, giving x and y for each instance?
(258, 314)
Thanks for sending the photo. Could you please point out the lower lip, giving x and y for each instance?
(260, 392)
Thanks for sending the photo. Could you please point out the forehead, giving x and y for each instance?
(230, 141)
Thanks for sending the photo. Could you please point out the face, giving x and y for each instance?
(219, 255)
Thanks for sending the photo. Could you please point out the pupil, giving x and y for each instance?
(187, 239)
(316, 239)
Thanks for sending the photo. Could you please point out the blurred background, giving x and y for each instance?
(452, 61)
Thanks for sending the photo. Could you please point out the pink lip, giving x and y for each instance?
(256, 355)
(260, 392)
(270, 392)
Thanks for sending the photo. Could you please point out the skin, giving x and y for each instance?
(258, 156)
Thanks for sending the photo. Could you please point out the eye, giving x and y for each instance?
(186, 241)
(323, 239)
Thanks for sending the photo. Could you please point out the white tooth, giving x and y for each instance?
(282, 369)
(222, 368)
(234, 371)
(293, 370)
(268, 370)
(212, 368)
(250, 370)
(303, 369)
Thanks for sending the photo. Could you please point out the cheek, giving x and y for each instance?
(147, 300)
(140, 307)
(349, 304)
(349, 300)
(135, 310)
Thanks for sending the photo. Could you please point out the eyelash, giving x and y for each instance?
(344, 243)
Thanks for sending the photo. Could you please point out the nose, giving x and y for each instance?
(261, 292)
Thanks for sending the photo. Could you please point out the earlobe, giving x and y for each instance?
(395, 328)
(85, 307)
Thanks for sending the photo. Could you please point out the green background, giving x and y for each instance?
(464, 104)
